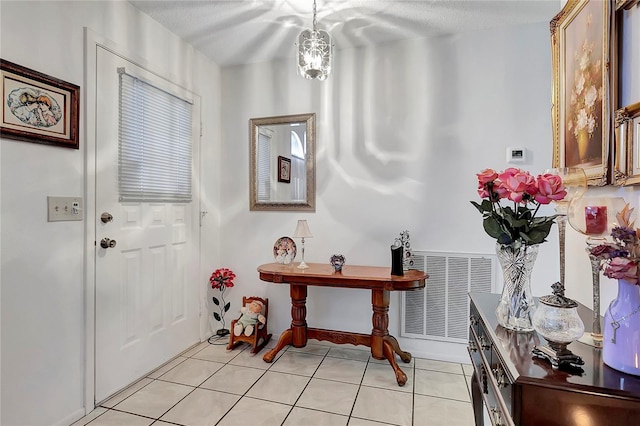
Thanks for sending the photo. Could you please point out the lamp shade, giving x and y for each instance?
(302, 230)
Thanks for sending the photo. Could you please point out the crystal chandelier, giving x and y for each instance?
(314, 52)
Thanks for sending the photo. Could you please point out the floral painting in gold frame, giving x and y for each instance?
(581, 103)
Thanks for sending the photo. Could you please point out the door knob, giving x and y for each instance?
(106, 217)
(107, 243)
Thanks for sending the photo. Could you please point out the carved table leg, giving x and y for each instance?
(299, 315)
(380, 319)
(285, 339)
(382, 344)
(404, 356)
(390, 355)
(476, 399)
(297, 334)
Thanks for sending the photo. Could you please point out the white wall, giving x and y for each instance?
(43, 285)
(402, 130)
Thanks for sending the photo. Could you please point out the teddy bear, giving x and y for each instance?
(251, 315)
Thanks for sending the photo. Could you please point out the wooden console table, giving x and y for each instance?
(377, 279)
(520, 390)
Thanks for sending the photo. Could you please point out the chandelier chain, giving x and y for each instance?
(315, 23)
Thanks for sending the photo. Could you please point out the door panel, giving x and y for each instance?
(146, 295)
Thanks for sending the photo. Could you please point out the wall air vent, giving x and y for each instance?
(441, 310)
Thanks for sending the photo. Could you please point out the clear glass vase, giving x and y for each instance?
(516, 307)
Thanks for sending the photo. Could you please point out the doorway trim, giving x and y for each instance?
(93, 41)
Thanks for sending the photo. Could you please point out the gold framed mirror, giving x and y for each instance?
(282, 163)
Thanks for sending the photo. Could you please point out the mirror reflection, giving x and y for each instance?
(283, 163)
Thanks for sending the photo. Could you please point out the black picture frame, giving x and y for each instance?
(284, 169)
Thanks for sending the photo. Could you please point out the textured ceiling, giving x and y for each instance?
(233, 32)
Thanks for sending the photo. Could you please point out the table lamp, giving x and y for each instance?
(302, 231)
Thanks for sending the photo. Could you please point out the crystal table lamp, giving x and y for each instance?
(302, 231)
(556, 319)
(595, 217)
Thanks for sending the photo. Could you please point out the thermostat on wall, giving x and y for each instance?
(516, 155)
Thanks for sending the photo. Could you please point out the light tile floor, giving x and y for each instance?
(318, 385)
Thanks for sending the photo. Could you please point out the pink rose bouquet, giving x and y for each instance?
(619, 258)
(511, 200)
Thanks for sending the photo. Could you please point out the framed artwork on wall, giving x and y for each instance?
(581, 102)
(626, 4)
(627, 145)
(625, 152)
(284, 169)
(38, 108)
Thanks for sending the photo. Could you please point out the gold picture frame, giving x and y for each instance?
(581, 104)
(627, 145)
(38, 108)
(626, 4)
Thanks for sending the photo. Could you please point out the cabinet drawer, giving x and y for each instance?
(495, 384)
(499, 412)
(482, 341)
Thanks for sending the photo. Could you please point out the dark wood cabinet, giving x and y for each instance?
(518, 389)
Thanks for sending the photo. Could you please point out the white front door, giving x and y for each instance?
(147, 286)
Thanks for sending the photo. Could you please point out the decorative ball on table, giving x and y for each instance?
(221, 279)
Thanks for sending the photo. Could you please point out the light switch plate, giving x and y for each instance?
(64, 208)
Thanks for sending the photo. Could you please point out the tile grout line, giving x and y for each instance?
(264, 372)
(249, 388)
(327, 355)
(305, 387)
(353, 406)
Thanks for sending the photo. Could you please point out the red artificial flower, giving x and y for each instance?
(222, 278)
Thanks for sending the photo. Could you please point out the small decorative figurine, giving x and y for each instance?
(251, 315)
(337, 261)
(403, 240)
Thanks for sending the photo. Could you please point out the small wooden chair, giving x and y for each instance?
(260, 337)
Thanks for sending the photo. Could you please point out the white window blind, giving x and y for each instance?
(155, 143)
(264, 165)
(298, 169)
